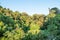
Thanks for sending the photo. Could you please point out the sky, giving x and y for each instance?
(30, 6)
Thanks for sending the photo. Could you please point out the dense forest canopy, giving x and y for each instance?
(21, 26)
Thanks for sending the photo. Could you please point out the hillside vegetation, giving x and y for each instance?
(21, 26)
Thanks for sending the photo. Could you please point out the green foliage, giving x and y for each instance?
(21, 26)
(30, 37)
(16, 34)
(34, 26)
(53, 26)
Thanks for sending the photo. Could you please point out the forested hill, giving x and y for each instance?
(21, 26)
